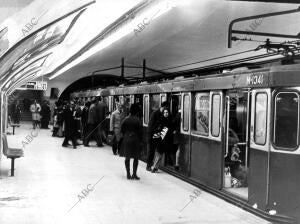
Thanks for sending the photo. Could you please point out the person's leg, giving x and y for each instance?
(157, 160)
(127, 166)
(135, 166)
(150, 154)
(33, 124)
(99, 133)
(177, 157)
(88, 135)
(65, 143)
(114, 145)
(74, 141)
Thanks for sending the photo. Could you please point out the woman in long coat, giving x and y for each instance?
(132, 132)
(163, 137)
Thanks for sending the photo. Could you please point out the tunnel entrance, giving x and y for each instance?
(91, 82)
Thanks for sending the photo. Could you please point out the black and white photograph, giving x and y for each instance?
(150, 112)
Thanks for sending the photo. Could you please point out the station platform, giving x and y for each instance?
(53, 184)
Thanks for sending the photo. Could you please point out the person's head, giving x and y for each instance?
(164, 105)
(166, 112)
(88, 104)
(72, 103)
(119, 106)
(134, 109)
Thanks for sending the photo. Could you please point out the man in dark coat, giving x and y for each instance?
(101, 112)
(45, 115)
(132, 131)
(16, 113)
(152, 126)
(84, 118)
(70, 125)
(93, 123)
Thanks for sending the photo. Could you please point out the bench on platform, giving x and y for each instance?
(11, 153)
(12, 125)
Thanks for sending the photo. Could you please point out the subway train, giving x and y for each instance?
(239, 134)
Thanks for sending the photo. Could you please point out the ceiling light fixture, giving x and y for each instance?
(153, 13)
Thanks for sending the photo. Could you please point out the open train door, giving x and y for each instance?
(236, 158)
(258, 181)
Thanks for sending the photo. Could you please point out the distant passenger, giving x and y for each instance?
(163, 137)
(45, 115)
(131, 147)
(115, 126)
(55, 123)
(70, 125)
(35, 109)
(16, 112)
(92, 130)
(153, 123)
(84, 118)
(101, 111)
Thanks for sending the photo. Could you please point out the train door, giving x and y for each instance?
(173, 155)
(259, 160)
(237, 142)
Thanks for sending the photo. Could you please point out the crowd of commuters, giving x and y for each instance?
(80, 123)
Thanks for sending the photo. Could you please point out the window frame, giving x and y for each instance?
(182, 113)
(146, 101)
(267, 118)
(162, 98)
(193, 131)
(282, 149)
(212, 93)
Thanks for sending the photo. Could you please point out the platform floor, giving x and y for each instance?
(50, 178)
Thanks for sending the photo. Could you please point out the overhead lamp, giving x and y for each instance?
(152, 13)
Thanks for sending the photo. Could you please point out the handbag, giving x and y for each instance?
(109, 138)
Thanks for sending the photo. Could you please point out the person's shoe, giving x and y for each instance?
(74, 147)
(86, 145)
(176, 167)
(63, 145)
(115, 153)
(134, 177)
(154, 170)
(100, 145)
(148, 168)
(128, 176)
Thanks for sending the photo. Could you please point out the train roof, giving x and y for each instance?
(274, 76)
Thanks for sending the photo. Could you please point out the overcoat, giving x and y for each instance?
(35, 110)
(153, 123)
(115, 123)
(132, 131)
(70, 124)
(164, 145)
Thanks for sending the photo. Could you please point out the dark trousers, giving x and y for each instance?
(92, 130)
(69, 137)
(151, 146)
(115, 145)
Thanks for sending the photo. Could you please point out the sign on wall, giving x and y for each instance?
(35, 85)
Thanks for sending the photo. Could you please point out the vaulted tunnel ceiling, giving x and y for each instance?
(171, 36)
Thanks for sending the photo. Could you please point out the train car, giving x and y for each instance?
(239, 134)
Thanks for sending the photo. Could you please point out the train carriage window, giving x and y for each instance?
(286, 121)
(201, 114)
(215, 115)
(186, 112)
(260, 130)
(146, 109)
